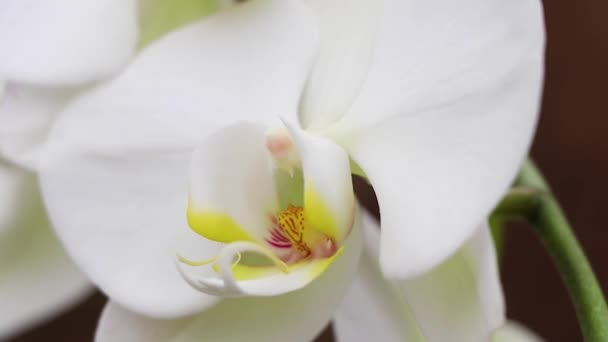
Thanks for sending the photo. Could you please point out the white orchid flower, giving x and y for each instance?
(49, 51)
(249, 120)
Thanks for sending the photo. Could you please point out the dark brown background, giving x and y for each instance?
(571, 148)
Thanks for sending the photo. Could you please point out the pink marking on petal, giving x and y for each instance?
(277, 239)
(279, 236)
(293, 257)
(278, 245)
(325, 250)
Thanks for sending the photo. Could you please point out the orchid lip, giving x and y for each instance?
(288, 232)
(272, 205)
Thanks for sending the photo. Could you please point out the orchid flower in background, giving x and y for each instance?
(232, 141)
(49, 52)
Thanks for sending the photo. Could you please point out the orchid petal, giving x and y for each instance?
(115, 168)
(38, 279)
(444, 119)
(515, 332)
(296, 316)
(329, 200)
(372, 308)
(65, 41)
(436, 53)
(123, 219)
(460, 300)
(26, 114)
(345, 53)
(232, 190)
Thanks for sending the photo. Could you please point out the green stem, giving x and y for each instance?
(541, 209)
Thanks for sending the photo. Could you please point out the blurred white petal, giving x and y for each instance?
(38, 280)
(65, 41)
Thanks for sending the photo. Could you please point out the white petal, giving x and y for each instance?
(231, 174)
(123, 218)
(26, 115)
(515, 332)
(444, 119)
(329, 199)
(38, 279)
(434, 53)
(65, 41)
(297, 316)
(347, 34)
(461, 300)
(372, 309)
(116, 175)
